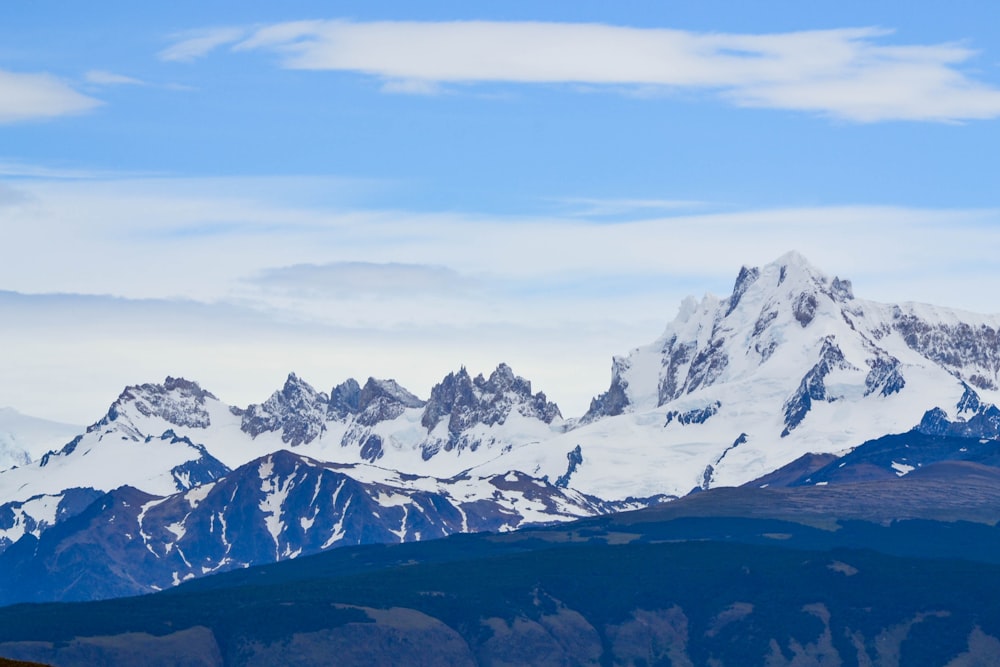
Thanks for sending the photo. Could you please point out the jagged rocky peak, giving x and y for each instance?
(178, 401)
(377, 401)
(388, 390)
(792, 275)
(746, 277)
(297, 394)
(383, 400)
(615, 400)
(466, 401)
(297, 410)
(345, 400)
(454, 390)
(715, 340)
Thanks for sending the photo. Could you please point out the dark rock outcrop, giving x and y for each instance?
(465, 401)
(695, 416)
(812, 387)
(298, 411)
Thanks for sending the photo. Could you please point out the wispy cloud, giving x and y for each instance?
(359, 279)
(209, 235)
(851, 73)
(344, 290)
(191, 45)
(37, 96)
(105, 78)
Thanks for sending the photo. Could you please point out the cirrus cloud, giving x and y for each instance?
(104, 78)
(849, 73)
(191, 45)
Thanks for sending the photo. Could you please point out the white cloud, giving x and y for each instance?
(104, 78)
(215, 272)
(847, 73)
(411, 87)
(209, 236)
(38, 96)
(194, 44)
(76, 353)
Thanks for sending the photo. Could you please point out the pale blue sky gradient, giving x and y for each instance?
(465, 183)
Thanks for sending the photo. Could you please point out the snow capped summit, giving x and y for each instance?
(697, 348)
(790, 362)
(177, 401)
(784, 319)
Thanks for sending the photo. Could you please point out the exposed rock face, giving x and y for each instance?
(614, 401)
(297, 410)
(804, 308)
(707, 366)
(970, 401)
(676, 356)
(747, 276)
(464, 402)
(384, 400)
(970, 351)
(885, 376)
(812, 387)
(708, 475)
(345, 400)
(696, 416)
(177, 401)
(983, 424)
(575, 458)
(377, 401)
(301, 413)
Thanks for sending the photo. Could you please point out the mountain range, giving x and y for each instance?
(789, 382)
(803, 576)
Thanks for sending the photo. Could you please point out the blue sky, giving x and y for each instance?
(235, 191)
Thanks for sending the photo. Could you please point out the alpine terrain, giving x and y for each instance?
(790, 381)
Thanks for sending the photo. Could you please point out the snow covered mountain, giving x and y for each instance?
(162, 439)
(790, 364)
(279, 506)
